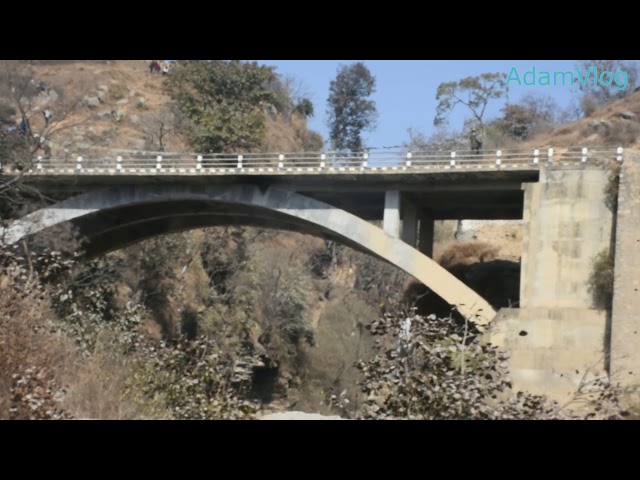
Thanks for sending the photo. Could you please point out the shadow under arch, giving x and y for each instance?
(118, 216)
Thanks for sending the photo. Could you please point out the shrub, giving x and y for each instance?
(612, 187)
(601, 280)
(467, 253)
(142, 104)
(428, 368)
(118, 91)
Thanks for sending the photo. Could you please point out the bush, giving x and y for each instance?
(313, 142)
(612, 187)
(142, 104)
(194, 380)
(467, 253)
(118, 91)
(601, 280)
(429, 368)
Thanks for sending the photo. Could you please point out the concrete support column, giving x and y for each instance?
(625, 322)
(409, 223)
(425, 235)
(391, 220)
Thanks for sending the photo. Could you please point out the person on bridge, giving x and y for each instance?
(476, 141)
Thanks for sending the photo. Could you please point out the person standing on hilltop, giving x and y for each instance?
(47, 117)
(152, 66)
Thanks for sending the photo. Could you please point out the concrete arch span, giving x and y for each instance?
(114, 217)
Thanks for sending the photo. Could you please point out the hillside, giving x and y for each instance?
(617, 124)
(119, 104)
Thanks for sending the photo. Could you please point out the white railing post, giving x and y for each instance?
(499, 157)
(584, 154)
(453, 159)
(79, 167)
(199, 162)
(39, 164)
(118, 163)
(409, 159)
(281, 161)
(159, 162)
(365, 162)
(550, 155)
(536, 155)
(323, 157)
(619, 152)
(240, 158)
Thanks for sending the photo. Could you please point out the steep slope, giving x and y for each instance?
(119, 104)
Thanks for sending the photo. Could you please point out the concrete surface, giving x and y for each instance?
(250, 204)
(566, 224)
(625, 321)
(551, 349)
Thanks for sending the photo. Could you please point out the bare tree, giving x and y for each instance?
(20, 140)
(158, 127)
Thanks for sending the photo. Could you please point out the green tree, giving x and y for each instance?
(349, 108)
(222, 102)
(473, 92)
(305, 108)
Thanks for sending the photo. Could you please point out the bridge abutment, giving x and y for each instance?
(559, 333)
(625, 315)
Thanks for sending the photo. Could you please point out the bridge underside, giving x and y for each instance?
(113, 229)
(453, 194)
(115, 217)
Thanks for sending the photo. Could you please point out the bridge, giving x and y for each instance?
(121, 197)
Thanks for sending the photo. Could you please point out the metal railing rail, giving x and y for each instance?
(132, 162)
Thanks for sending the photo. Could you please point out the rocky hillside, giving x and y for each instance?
(617, 124)
(119, 104)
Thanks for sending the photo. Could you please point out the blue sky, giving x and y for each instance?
(406, 90)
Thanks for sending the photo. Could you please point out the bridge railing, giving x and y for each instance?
(316, 162)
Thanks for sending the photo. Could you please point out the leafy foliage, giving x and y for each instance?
(305, 108)
(601, 280)
(430, 368)
(472, 92)
(349, 108)
(613, 186)
(28, 387)
(222, 102)
(195, 380)
(35, 395)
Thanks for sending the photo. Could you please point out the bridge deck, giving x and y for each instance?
(446, 185)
